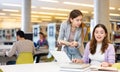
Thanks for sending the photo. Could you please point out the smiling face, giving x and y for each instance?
(76, 22)
(99, 34)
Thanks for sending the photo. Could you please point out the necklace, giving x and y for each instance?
(73, 29)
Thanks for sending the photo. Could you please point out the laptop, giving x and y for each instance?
(65, 61)
(60, 56)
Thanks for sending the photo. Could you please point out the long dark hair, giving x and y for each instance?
(93, 42)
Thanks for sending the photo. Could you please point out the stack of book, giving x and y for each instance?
(72, 67)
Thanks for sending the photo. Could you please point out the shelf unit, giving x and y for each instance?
(115, 37)
(8, 36)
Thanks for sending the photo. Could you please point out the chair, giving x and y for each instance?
(24, 58)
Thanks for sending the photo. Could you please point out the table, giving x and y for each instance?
(38, 67)
(41, 51)
(6, 46)
(4, 59)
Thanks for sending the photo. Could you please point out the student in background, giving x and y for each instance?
(71, 34)
(41, 43)
(21, 45)
(98, 51)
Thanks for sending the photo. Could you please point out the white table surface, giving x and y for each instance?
(6, 46)
(38, 67)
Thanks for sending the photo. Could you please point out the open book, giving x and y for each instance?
(110, 69)
(106, 69)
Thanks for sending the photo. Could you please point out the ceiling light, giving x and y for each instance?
(112, 8)
(78, 4)
(53, 1)
(9, 4)
(36, 21)
(58, 9)
(35, 12)
(10, 10)
(113, 14)
(45, 16)
(15, 15)
(16, 5)
(39, 16)
(46, 19)
(81, 4)
(48, 13)
(118, 8)
(8, 19)
(84, 11)
(36, 16)
(2, 13)
(61, 18)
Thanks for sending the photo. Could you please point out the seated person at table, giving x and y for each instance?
(42, 43)
(22, 45)
(98, 51)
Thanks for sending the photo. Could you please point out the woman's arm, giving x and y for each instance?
(110, 56)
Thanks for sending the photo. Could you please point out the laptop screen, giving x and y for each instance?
(60, 56)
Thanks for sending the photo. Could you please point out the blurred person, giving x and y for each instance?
(71, 34)
(41, 43)
(98, 51)
(21, 45)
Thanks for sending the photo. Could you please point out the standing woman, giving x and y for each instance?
(71, 34)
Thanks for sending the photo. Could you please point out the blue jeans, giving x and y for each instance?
(11, 63)
(72, 52)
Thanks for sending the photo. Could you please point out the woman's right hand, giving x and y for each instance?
(62, 42)
(77, 61)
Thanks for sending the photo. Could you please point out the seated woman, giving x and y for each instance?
(42, 43)
(98, 51)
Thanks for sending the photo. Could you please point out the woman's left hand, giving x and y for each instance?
(105, 64)
(74, 43)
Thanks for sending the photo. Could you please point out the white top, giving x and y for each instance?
(98, 57)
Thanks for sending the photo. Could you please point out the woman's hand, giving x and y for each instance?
(105, 64)
(73, 44)
(77, 61)
(62, 42)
